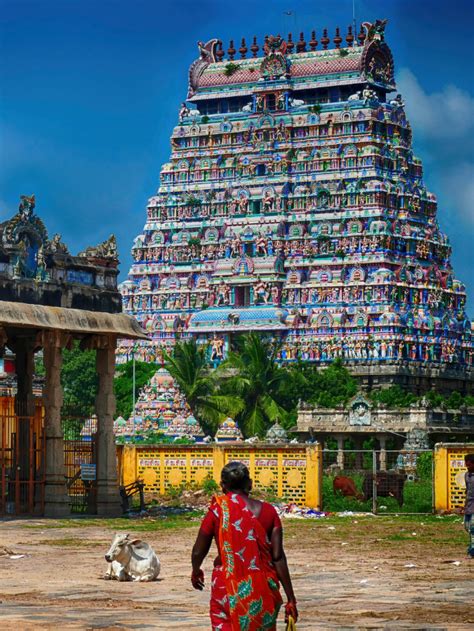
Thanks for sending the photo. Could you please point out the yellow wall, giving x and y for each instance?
(292, 472)
(449, 475)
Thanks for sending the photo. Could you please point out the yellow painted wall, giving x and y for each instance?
(449, 475)
(291, 472)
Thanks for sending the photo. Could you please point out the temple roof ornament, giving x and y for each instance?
(275, 63)
(27, 253)
(276, 434)
(105, 250)
(228, 431)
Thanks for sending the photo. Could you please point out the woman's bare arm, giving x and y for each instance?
(280, 563)
(199, 553)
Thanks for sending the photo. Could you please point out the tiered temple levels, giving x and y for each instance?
(293, 204)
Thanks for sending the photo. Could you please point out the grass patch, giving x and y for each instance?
(71, 542)
(417, 497)
(143, 524)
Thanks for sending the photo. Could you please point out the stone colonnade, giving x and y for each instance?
(25, 344)
(358, 441)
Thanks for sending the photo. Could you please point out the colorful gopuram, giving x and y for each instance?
(292, 204)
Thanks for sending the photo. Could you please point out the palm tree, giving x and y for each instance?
(254, 375)
(189, 367)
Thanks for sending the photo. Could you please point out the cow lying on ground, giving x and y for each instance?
(389, 484)
(346, 486)
(131, 560)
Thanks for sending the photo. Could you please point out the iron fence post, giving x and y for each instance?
(374, 482)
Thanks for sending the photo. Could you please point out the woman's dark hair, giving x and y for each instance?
(235, 476)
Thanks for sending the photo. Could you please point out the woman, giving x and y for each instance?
(245, 593)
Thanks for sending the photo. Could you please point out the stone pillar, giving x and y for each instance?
(383, 452)
(108, 496)
(23, 347)
(340, 450)
(25, 368)
(359, 459)
(56, 500)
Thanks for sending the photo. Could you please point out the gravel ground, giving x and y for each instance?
(349, 573)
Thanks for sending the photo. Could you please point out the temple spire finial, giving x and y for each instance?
(231, 50)
(220, 51)
(254, 47)
(290, 43)
(301, 45)
(325, 39)
(349, 36)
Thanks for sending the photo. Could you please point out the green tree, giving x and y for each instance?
(327, 387)
(393, 397)
(123, 384)
(79, 382)
(200, 385)
(253, 374)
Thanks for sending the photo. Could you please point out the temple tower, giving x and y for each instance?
(293, 204)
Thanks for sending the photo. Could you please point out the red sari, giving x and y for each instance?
(245, 592)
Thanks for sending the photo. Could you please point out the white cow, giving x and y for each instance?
(131, 560)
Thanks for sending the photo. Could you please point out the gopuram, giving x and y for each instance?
(293, 204)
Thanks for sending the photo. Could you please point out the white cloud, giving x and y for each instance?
(457, 184)
(445, 115)
(443, 132)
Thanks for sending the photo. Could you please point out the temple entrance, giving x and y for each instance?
(81, 474)
(22, 459)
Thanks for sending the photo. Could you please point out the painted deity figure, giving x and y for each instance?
(217, 348)
(261, 292)
(275, 294)
(268, 201)
(222, 294)
(261, 245)
(243, 203)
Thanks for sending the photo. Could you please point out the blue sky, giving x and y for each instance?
(90, 91)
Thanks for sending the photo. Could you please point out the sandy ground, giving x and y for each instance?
(348, 574)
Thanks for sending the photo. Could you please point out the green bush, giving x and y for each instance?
(424, 466)
(230, 69)
(210, 486)
(393, 397)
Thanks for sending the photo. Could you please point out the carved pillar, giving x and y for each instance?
(340, 450)
(23, 345)
(108, 496)
(359, 456)
(24, 349)
(56, 500)
(383, 452)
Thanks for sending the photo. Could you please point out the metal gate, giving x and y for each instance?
(378, 481)
(81, 462)
(22, 459)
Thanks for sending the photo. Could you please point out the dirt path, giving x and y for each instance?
(348, 573)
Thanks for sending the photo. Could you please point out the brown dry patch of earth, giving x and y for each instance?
(349, 573)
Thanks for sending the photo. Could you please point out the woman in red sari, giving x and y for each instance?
(245, 594)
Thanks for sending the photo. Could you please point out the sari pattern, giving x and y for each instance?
(251, 583)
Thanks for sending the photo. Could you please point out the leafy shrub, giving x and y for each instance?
(424, 466)
(230, 69)
(210, 486)
(393, 397)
